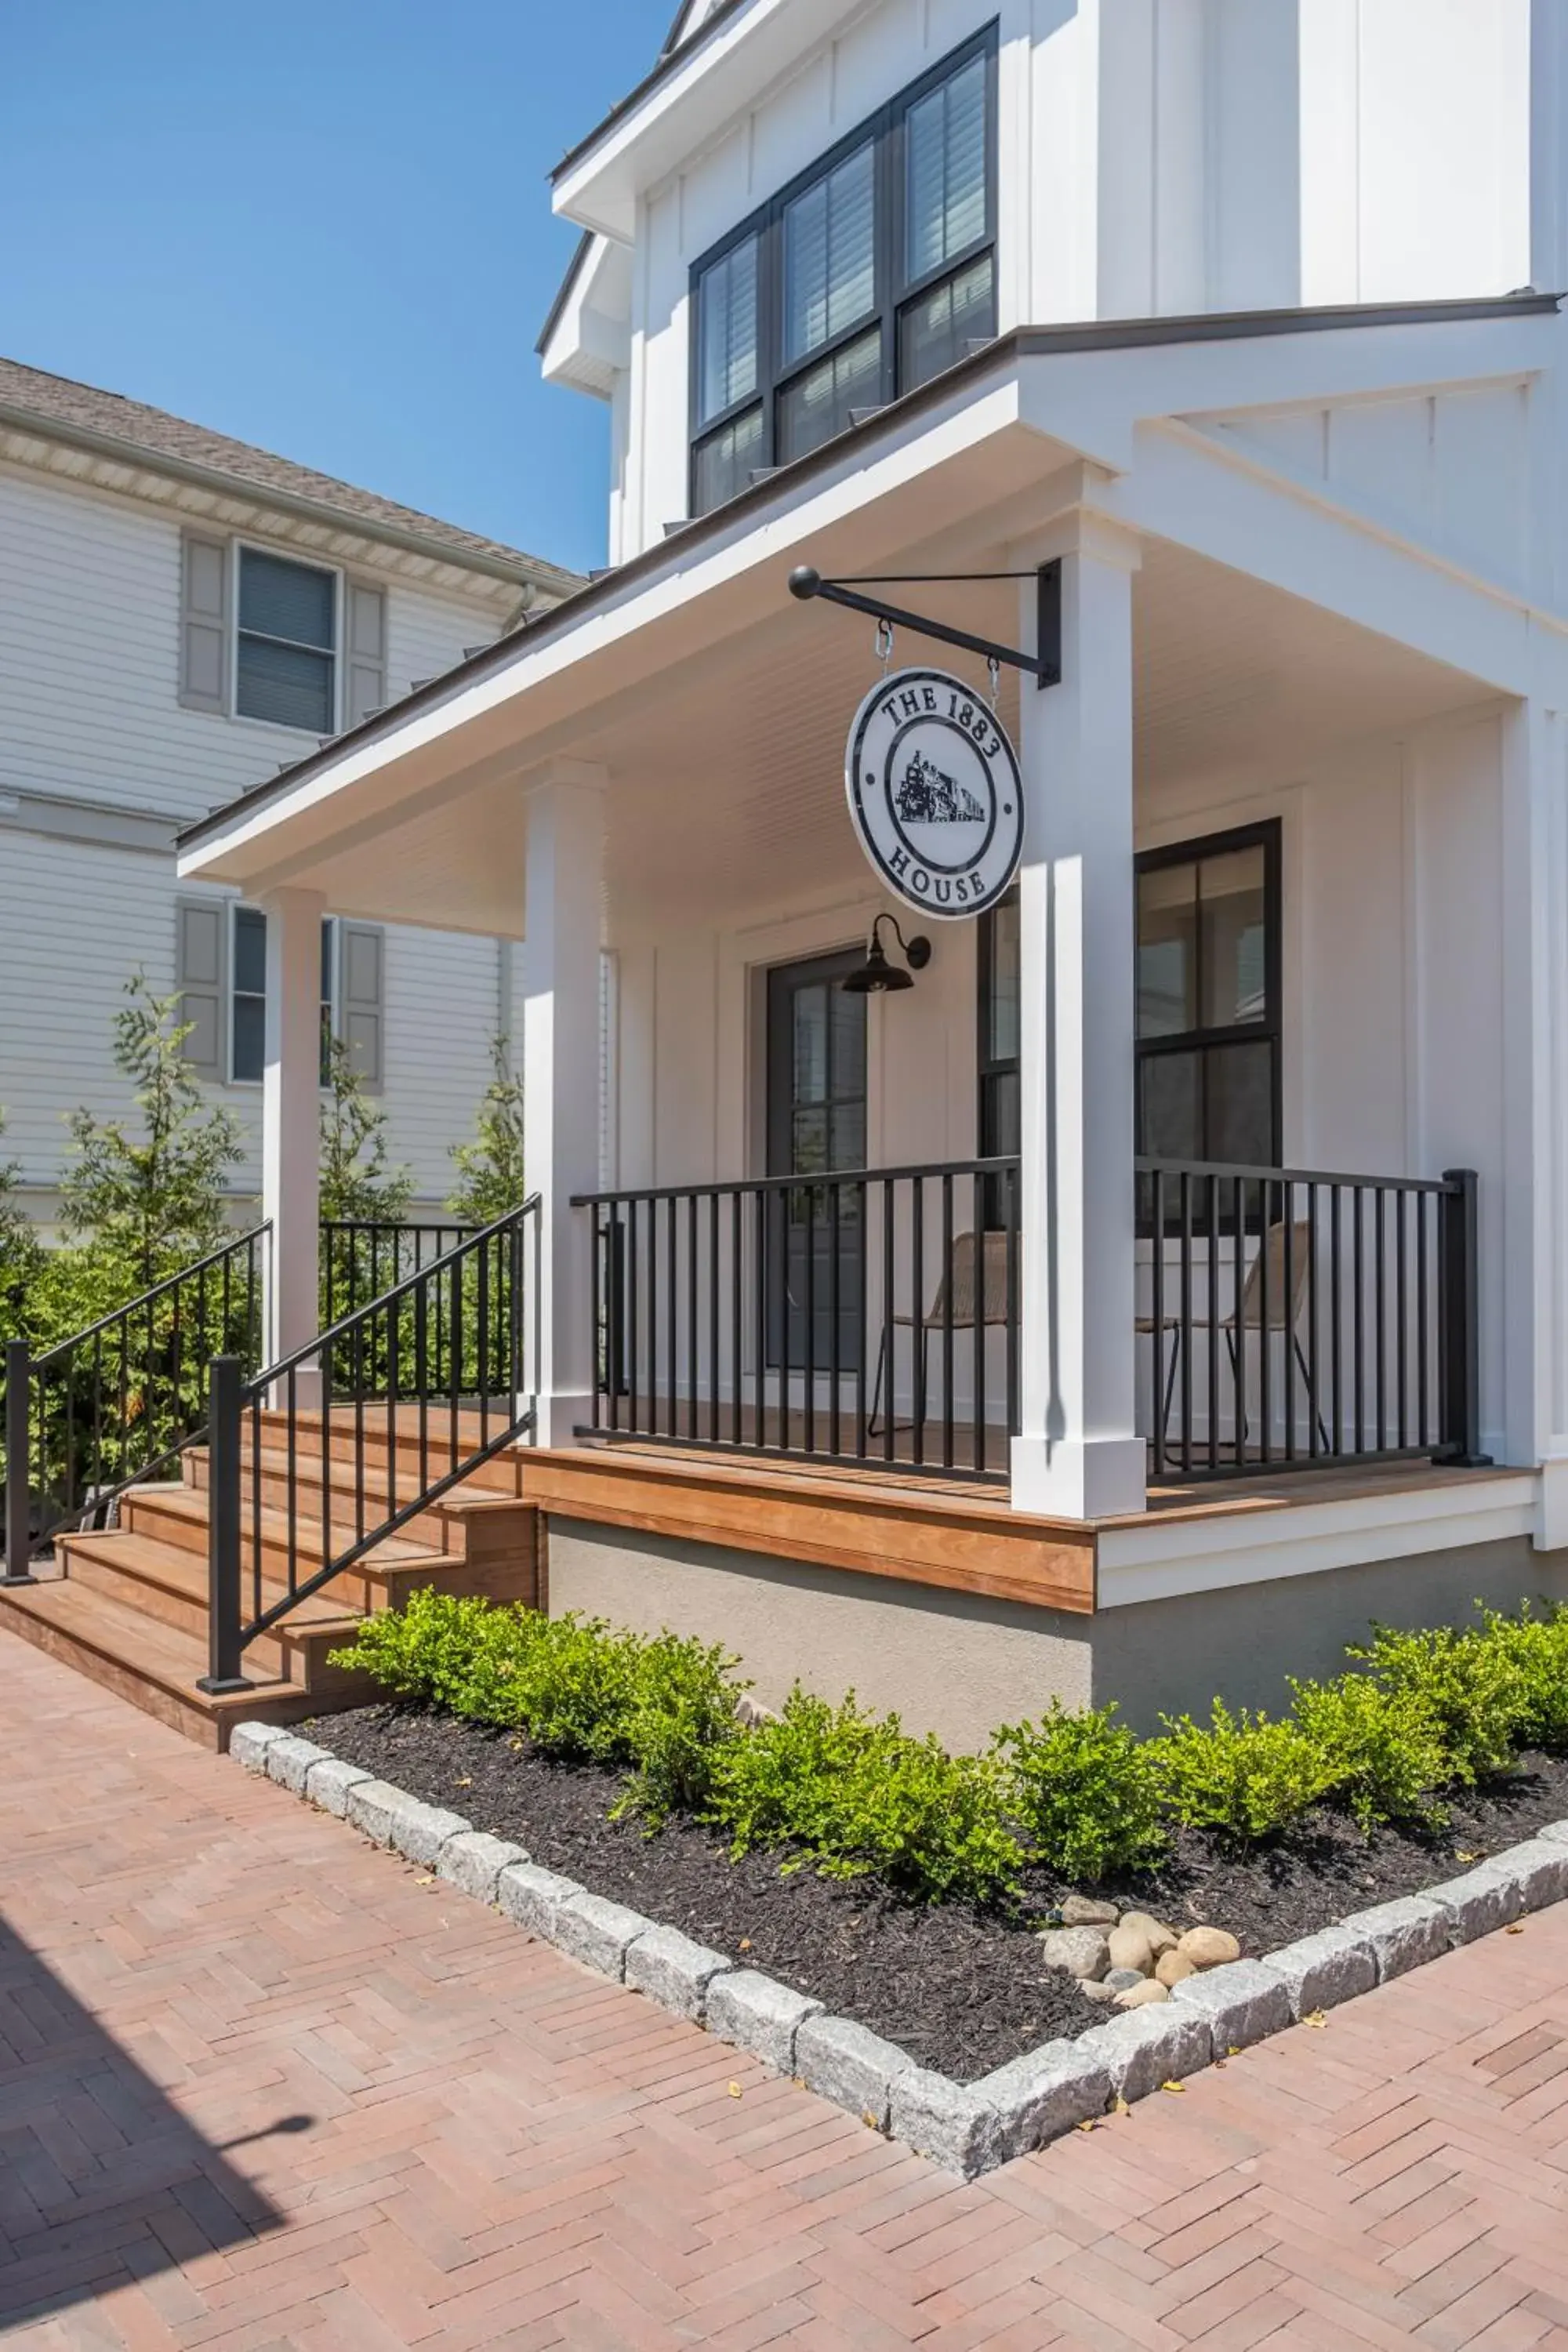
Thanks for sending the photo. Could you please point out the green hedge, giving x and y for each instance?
(1417, 1715)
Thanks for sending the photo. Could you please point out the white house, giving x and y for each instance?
(180, 615)
(1169, 1270)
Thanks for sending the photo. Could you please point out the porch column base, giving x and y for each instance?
(561, 1417)
(1065, 1478)
(307, 1390)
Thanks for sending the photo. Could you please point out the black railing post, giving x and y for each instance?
(1459, 1336)
(224, 1656)
(18, 1501)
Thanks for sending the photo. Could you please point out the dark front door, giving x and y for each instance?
(816, 1122)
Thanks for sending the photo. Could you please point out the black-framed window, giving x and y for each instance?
(1209, 1022)
(1000, 1135)
(1208, 1004)
(863, 277)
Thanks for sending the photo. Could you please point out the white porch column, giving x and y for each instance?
(291, 1118)
(1078, 1454)
(563, 902)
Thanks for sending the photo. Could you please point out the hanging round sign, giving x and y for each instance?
(934, 795)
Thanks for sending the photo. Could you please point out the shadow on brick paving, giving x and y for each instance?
(102, 2179)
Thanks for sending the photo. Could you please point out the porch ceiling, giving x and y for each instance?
(726, 795)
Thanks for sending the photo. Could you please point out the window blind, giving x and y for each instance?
(945, 170)
(727, 303)
(830, 254)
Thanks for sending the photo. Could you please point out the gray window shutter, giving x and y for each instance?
(201, 969)
(204, 623)
(361, 986)
(364, 651)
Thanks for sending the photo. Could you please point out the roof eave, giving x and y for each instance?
(523, 571)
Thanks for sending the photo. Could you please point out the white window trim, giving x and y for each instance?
(340, 620)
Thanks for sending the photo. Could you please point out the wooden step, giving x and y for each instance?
(168, 1586)
(154, 1666)
(179, 1514)
(491, 1538)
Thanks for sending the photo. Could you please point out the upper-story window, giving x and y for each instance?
(866, 277)
(286, 655)
(264, 637)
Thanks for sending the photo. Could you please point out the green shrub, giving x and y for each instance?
(1467, 1682)
(577, 1688)
(1246, 1775)
(680, 1719)
(440, 1650)
(856, 1794)
(1084, 1790)
(1383, 1750)
(1535, 1649)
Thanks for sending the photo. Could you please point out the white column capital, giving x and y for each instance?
(1081, 531)
(565, 776)
(286, 899)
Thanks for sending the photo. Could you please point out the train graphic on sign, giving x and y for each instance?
(928, 797)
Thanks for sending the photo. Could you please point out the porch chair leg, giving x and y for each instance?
(1311, 1394)
(876, 1383)
(1170, 1384)
(1240, 1399)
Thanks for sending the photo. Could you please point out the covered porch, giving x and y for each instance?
(1181, 1168)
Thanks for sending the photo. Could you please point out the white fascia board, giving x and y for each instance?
(689, 105)
(1174, 1552)
(695, 599)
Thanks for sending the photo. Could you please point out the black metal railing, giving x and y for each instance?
(1294, 1319)
(119, 1402)
(361, 1258)
(868, 1316)
(320, 1457)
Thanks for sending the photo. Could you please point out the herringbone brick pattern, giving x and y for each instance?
(266, 2090)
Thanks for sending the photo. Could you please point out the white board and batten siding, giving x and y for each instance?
(99, 596)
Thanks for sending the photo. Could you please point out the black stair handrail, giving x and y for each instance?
(473, 1310)
(130, 1384)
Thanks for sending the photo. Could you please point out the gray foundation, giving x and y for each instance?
(958, 1664)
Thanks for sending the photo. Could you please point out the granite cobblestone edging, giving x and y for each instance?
(966, 2127)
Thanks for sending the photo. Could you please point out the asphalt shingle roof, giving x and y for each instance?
(58, 399)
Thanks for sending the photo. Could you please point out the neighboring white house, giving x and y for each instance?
(1237, 319)
(180, 615)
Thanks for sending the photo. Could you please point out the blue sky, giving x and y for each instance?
(323, 226)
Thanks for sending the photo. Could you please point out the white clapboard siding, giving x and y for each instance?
(76, 920)
(90, 628)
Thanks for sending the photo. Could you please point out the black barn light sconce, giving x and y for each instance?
(876, 976)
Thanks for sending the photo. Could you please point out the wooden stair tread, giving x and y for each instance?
(462, 1496)
(155, 1653)
(190, 1503)
(177, 1569)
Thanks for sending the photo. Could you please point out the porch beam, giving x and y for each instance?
(292, 1118)
(564, 919)
(1078, 1455)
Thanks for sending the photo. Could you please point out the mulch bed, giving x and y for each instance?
(961, 1990)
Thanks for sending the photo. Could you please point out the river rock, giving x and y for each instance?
(1161, 1938)
(1104, 1991)
(1130, 1948)
(1123, 1980)
(1089, 1911)
(1140, 1995)
(1081, 1951)
(1171, 1968)
(1208, 1948)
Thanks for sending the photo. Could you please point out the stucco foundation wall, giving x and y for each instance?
(1241, 1643)
(958, 1664)
(949, 1662)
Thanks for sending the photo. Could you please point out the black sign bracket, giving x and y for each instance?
(1044, 664)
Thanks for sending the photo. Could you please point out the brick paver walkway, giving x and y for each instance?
(261, 2087)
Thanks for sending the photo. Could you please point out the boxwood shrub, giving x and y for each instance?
(848, 1792)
